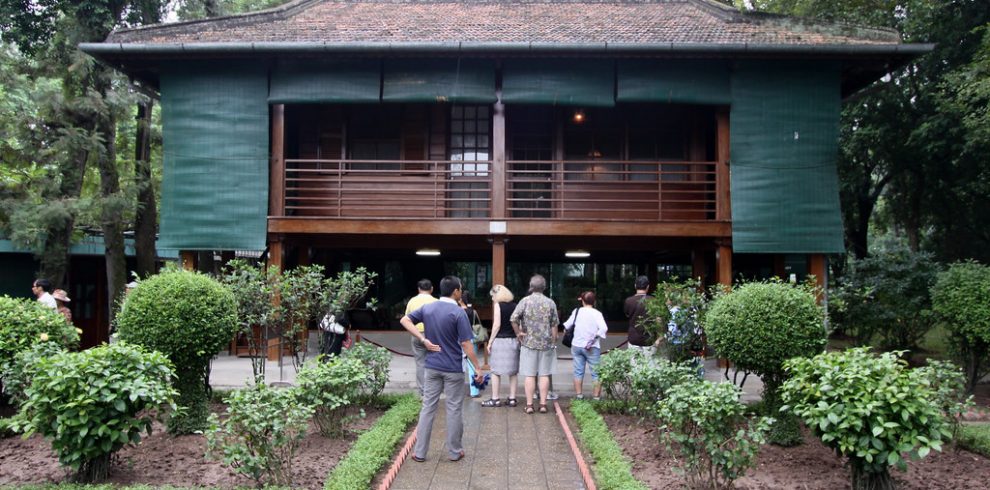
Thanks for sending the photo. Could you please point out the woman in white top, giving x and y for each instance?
(589, 329)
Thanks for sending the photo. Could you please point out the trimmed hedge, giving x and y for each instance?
(375, 447)
(975, 438)
(612, 469)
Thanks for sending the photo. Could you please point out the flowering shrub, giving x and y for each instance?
(25, 323)
(90, 404)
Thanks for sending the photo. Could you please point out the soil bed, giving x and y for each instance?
(162, 459)
(809, 466)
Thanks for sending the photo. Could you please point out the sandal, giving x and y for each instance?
(529, 409)
(511, 402)
(543, 409)
(493, 402)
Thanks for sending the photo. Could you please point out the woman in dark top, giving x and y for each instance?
(503, 346)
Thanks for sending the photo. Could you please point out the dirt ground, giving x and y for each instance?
(162, 459)
(809, 466)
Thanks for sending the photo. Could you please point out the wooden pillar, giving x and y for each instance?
(699, 267)
(276, 254)
(723, 203)
(498, 159)
(188, 259)
(818, 267)
(724, 264)
(498, 261)
(276, 258)
(276, 191)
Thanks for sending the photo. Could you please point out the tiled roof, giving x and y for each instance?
(514, 21)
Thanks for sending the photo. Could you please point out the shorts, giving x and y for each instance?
(537, 362)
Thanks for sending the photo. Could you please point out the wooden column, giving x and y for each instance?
(188, 259)
(276, 257)
(276, 254)
(723, 204)
(723, 261)
(276, 188)
(699, 268)
(498, 158)
(818, 267)
(498, 261)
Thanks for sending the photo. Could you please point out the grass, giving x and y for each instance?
(611, 467)
(375, 447)
(975, 438)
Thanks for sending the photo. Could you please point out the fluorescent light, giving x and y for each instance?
(428, 252)
(577, 254)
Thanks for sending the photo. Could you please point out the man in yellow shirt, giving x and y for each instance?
(425, 296)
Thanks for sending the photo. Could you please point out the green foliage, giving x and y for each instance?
(872, 409)
(377, 359)
(759, 325)
(615, 373)
(948, 384)
(887, 298)
(653, 380)
(705, 424)
(254, 289)
(188, 317)
(975, 438)
(375, 447)
(331, 386)
(93, 403)
(261, 433)
(18, 374)
(611, 467)
(26, 322)
(961, 302)
(681, 304)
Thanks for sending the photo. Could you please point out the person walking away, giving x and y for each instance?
(536, 320)
(61, 298)
(42, 289)
(503, 346)
(635, 310)
(334, 326)
(447, 335)
(465, 304)
(424, 296)
(586, 348)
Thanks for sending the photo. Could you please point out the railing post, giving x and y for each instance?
(276, 192)
(723, 203)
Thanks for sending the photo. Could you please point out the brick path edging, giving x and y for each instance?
(397, 463)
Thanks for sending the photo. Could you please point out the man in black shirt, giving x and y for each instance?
(635, 310)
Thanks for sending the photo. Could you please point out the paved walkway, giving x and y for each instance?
(504, 449)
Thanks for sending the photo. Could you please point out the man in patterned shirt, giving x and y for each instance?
(535, 318)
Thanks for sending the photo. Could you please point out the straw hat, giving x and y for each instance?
(60, 295)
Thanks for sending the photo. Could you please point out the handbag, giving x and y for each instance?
(480, 333)
(569, 332)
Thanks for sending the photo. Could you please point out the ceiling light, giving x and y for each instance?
(578, 116)
(577, 254)
(428, 252)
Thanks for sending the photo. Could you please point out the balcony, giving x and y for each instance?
(596, 190)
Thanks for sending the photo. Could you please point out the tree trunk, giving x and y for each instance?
(147, 214)
(113, 204)
(864, 480)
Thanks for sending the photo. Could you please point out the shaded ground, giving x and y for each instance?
(162, 459)
(809, 466)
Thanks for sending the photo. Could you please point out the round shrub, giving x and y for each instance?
(871, 409)
(188, 317)
(26, 322)
(332, 388)
(961, 302)
(760, 325)
(91, 404)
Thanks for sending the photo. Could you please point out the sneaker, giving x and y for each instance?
(552, 395)
(579, 396)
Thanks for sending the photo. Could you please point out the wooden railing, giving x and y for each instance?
(569, 190)
(621, 190)
(388, 189)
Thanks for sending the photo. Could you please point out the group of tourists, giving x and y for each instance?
(523, 342)
(56, 299)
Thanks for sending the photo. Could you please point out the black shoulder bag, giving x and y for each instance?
(569, 333)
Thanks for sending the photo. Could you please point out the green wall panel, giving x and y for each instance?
(784, 127)
(461, 81)
(215, 140)
(673, 81)
(589, 83)
(325, 81)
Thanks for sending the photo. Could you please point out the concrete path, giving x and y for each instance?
(504, 449)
